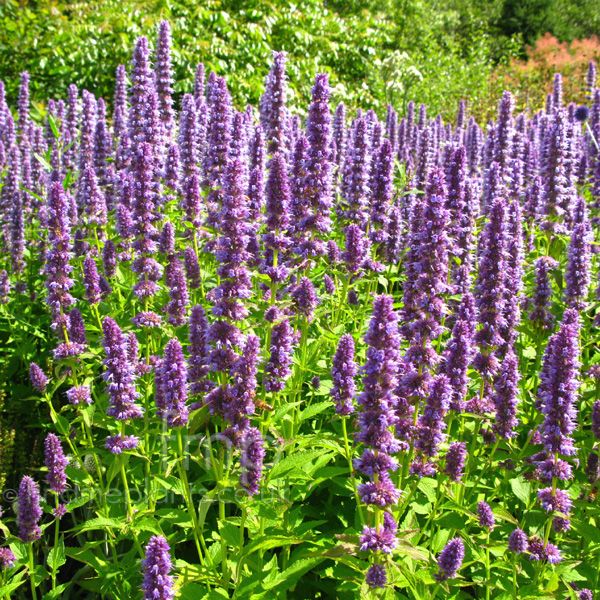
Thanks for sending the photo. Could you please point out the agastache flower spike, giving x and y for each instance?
(431, 423)
(318, 182)
(490, 289)
(218, 141)
(558, 386)
(91, 280)
(355, 183)
(38, 378)
(377, 400)
(305, 298)
(199, 350)
(517, 542)
(277, 212)
(277, 369)
(172, 379)
(455, 461)
(58, 269)
(382, 190)
(456, 360)
(30, 511)
(178, 293)
(506, 396)
(343, 372)
(192, 268)
(164, 78)
(241, 393)
(540, 312)
(485, 515)
(451, 559)
(157, 566)
(275, 117)
(577, 276)
(56, 463)
(119, 374)
(231, 252)
(252, 456)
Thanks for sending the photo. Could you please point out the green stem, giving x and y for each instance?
(129, 505)
(31, 569)
(187, 494)
(56, 533)
(351, 467)
(487, 568)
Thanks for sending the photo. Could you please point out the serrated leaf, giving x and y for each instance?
(5, 590)
(56, 556)
(270, 542)
(56, 593)
(314, 409)
(99, 523)
(298, 460)
(521, 489)
(292, 573)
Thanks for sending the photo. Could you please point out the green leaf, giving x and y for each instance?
(98, 524)
(314, 409)
(298, 460)
(53, 126)
(5, 590)
(270, 542)
(56, 556)
(521, 489)
(56, 593)
(292, 573)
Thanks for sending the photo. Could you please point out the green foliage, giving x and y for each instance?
(81, 42)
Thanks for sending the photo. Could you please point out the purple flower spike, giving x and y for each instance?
(376, 576)
(356, 248)
(485, 515)
(252, 456)
(56, 463)
(79, 394)
(490, 288)
(199, 349)
(119, 374)
(318, 182)
(329, 285)
(231, 252)
(117, 444)
(275, 119)
(457, 357)
(382, 189)
(192, 268)
(178, 293)
(558, 386)
(38, 378)
(506, 397)
(7, 558)
(343, 372)
(451, 559)
(577, 276)
(305, 297)
(277, 369)
(91, 280)
(109, 258)
(517, 542)
(58, 269)
(164, 77)
(172, 380)
(455, 461)
(157, 566)
(30, 511)
(431, 422)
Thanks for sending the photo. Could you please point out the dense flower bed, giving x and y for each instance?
(326, 359)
